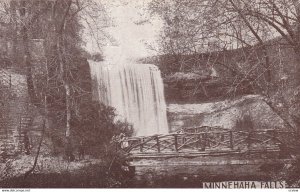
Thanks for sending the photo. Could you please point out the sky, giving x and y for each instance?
(131, 38)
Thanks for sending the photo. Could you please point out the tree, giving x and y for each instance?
(63, 45)
(228, 21)
(243, 33)
(61, 83)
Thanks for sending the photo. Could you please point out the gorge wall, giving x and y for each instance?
(225, 114)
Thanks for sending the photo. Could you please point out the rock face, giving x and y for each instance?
(193, 87)
(224, 114)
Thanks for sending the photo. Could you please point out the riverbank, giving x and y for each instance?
(55, 172)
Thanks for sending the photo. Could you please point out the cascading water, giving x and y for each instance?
(136, 91)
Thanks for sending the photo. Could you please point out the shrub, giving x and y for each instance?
(95, 125)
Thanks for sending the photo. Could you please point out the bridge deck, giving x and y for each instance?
(268, 152)
(207, 141)
(207, 151)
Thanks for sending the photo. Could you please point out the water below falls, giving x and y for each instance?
(135, 91)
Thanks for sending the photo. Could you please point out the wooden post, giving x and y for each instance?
(199, 141)
(9, 80)
(204, 141)
(207, 143)
(141, 145)
(231, 139)
(20, 142)
(275, 135)
(157, 142)
(249, 140)
(176, 143)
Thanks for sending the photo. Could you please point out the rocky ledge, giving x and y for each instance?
(225, 114)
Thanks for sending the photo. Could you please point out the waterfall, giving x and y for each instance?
(135, 91)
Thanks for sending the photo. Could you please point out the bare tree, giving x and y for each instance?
(244, 28)
(60, 24)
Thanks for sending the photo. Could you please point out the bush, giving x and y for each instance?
(95, 125)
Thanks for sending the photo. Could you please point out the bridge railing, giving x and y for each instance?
(206, 140)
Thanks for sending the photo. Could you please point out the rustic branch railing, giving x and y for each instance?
(206, 139)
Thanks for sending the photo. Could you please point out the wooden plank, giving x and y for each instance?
(176, 142)
(141, 145)
(205, 140)
(188, 155)
(213, 163)
(231, 139)
(158, 144)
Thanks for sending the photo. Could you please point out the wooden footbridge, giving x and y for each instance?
(208, 141)
(203, 149)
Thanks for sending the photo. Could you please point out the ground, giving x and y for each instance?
(46, 164)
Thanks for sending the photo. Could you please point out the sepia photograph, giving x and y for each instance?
(98, 94)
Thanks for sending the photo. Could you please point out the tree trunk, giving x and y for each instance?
(297, 48)
(68, 109)
(297, 54)
(59, 47)
(27, 55)
(13, 12)
(268, 74)
(38, 151)
(66, 85)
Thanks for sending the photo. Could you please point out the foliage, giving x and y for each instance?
(248, 42)
(95, 125)
(59, 81)
(193, 27)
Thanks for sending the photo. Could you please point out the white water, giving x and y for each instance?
(136, 91)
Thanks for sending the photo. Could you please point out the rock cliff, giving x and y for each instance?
(224, 114)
